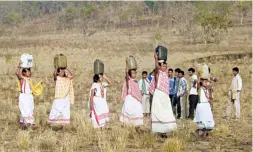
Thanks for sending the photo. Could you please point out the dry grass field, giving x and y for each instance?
(112, 46)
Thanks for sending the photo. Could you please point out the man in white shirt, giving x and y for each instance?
(143, 86)
(193, 97)
(234, 93)
(182, 93)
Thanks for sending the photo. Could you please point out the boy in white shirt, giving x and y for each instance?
(193, 97)
(234, 93)
(143, 86)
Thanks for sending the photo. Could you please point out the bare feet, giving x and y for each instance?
(201, 133)
(23, 126)
(163, 135)
(57, 127)
(205, 133)
(197, 132)
(34, 127)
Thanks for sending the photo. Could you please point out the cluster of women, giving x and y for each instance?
(162, 117)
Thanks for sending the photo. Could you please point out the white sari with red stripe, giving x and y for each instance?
(132, 112)
(100, 111)
(163, 120)
(204, 115)
(26, 103)
(60, 112)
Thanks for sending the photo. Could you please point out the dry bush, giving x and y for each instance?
(174, 145)
(24, 140)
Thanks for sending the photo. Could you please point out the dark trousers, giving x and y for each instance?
(171, 99)
(193, 101)
(176, 102)
(172, 105)
(150, 101)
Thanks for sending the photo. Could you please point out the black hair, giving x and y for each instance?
(26, 70)
(129, 72)
(96, 78)
(160, 63)
(58, 69)
(171, 70)
(101, 74)
(192, 70)
(182, 72)
(236, 69)
(201, 81)
(144, 72)
(177, 70)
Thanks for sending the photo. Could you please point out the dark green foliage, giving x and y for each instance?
(212, 17)
(210, 14)
(86, 11)
(150, 4)
(12, 19)
(67, 19)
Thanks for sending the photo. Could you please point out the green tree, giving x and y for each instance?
(86, 11)
(212, 19)
(67, 19)
(212, 24)
(150, 5)
(12, 19)
(244, 8)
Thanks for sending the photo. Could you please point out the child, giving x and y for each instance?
(162, 116)
(143, 86)
(64, 96)
(26, 101)
(204, 115)
(132, 113)
(97, 101)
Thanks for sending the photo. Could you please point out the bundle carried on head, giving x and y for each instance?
(132, 64)
(203, 71)
(26, 60)
(60, 61)
(161, 53)
(98, 67)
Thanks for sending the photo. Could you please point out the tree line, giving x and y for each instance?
(213, 17)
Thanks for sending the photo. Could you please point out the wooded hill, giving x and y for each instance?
(184, 18)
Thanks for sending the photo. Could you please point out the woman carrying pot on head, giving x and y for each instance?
(97, 101)
(132, 112)
(163, 120)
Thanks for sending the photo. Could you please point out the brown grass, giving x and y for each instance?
(112, 47)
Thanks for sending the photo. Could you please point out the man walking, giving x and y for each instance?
(182, 93)
(176, 99)
(171, 88)
(193, 97)
(234, 93)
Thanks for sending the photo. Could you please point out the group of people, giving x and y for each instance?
(159, 96)
(64, 96)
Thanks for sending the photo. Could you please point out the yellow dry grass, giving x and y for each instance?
(112, 47)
